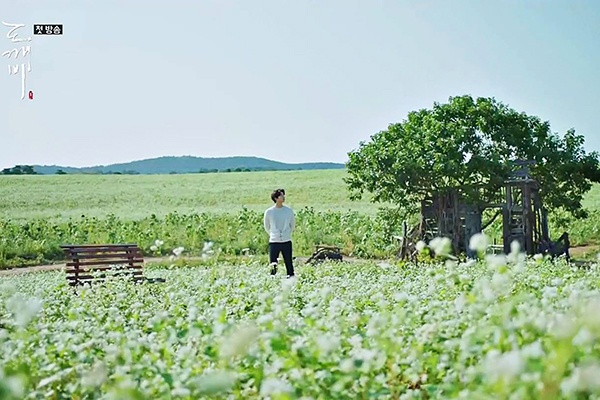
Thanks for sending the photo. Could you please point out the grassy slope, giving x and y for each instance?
(59, 198)
(44, 201)
(592, 199)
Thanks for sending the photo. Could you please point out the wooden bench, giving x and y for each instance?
(84, 260)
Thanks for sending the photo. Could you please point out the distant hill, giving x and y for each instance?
(187, 164)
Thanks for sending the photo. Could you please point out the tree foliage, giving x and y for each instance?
(19, 170)
(469, 145)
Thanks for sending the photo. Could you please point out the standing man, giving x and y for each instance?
(279, 223)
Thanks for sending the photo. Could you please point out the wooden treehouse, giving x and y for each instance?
(524, 218)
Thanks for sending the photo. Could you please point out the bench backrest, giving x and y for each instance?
(84, 260)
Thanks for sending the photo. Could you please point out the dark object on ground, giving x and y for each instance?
(94, 262)
(155, 280)
(323, 253)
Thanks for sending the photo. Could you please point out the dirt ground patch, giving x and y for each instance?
(151, 260)
(585, 252)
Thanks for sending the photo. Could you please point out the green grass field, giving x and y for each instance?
(39, 213)
(592, 199)
(58, 198)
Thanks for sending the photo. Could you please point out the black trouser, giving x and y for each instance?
(285, 249)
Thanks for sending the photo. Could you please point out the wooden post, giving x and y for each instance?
(457, 232)
(528, 219)
(422, 227)
(76, 261)
(403, 247)
(472, 227)
(538, 239)
(130, 259)
(439, 204)
(506, 216)
(545, 232)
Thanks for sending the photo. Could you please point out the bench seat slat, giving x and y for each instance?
(77, 250)
(90, 246)
(105, 262)
(84, 277)
(103, 275)
(99, 246)
(92, 268)
(81, 282)
(124, 256)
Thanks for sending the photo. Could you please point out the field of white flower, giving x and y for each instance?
(502, 328)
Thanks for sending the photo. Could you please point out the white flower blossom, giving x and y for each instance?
(504, 366)
(239, 341)
(556, 282)
(214, 382)
(582, 379)
(583, 338)
(533, 350)
(562, 327)
(328, 343)
(23, 309)
(592, 313)
(347, 365)
(515, 247)
(441, 246)
(95, 377)
(15, 386)
(479, 242)
(274, 386)
(550, 292)
(496, 261)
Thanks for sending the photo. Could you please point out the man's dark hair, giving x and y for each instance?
(276, 193)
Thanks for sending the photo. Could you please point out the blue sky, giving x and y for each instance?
(292, 81)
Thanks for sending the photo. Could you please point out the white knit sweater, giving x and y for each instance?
(279, 224)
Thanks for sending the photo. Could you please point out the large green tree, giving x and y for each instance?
(469, 145)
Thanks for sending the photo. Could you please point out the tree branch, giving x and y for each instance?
(491, 220)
